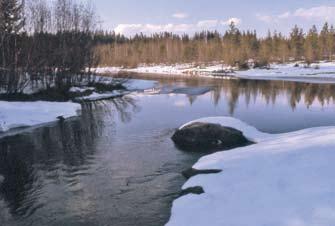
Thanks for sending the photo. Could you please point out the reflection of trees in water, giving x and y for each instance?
(50, 154)
(269, 91)
(250, 90)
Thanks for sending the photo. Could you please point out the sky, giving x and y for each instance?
(188, 16)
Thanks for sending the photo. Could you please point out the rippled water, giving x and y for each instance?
(116, 164)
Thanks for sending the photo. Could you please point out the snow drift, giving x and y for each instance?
(24, 114)
(283, 180)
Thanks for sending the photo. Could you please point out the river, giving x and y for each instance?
(116, 164)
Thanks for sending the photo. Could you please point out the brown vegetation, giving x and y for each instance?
(234, 47)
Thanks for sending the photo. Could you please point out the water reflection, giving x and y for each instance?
(250, 90)
(269, 91)
(35, 165)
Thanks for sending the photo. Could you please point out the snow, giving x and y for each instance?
(323, 72)
(80, 89)
(101, 96)
(283, 180)
(191, 69)
(23, 114)
(107, 70)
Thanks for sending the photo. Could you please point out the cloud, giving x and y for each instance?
(284, 15)
(234, 20)
(127, 28)
(180, 15)
(320, 13)
(208, 23)
(265, 18)
(132, 29)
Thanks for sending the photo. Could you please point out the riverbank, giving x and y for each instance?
(283, 179)
(322, 72)
(29, 112)
(25, 114)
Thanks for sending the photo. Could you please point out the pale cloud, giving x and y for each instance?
(208, 23)
(180, 15)
(127, 28)
(320, 13)
(132, 29)
(234, 20)
(265, 18)
(284, 15)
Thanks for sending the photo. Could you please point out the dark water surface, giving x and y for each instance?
(116, 164)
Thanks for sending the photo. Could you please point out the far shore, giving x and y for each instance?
(322, 72)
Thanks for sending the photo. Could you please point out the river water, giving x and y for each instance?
(116, 165)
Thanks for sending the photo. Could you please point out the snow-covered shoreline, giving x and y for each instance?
(282, 180)
(15, 115)
(323, 72)
(19, 115)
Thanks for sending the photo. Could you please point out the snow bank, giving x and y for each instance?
(323, 72)
(107, 70)
(76, 89)
(101, 96)
(283, 180)
(214, 69)
(23, 114)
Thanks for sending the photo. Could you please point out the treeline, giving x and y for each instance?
(45, 41)
(234, 47)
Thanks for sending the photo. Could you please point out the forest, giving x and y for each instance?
(234, 47)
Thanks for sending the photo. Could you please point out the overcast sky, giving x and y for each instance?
(187, 16)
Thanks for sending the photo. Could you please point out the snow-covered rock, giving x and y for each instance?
(282, 180)
(23, 114)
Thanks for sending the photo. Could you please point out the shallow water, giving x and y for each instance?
(116, 164)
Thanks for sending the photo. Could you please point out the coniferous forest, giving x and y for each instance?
(233, 47)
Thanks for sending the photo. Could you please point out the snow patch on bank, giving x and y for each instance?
(214, 69)
(323, 72)
(101, 96)
(24, 114)
(76, 89)
(283, 180)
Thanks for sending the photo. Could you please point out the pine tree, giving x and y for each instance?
(311, 45)
(297, 42)
(323, 42)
